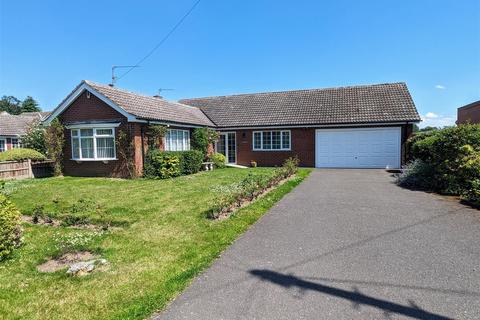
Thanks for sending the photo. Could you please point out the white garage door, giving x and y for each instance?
(358, 148)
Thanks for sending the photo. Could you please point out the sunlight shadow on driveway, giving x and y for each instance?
(358, 298)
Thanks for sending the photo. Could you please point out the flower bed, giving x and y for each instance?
(231, 197)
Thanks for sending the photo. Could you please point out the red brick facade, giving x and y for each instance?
(90, 108)
(302, 142)
(469, 113)
(302, 146)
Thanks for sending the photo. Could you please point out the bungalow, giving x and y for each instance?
(13, 127)
(347, 127)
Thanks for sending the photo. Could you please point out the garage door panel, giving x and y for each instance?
(358, 148)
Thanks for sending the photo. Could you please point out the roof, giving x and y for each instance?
(471, 105)
(141, 107)
(16, 125)
(378, 103)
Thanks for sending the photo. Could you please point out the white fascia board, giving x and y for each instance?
(93, 125)
(74, 95)
(316, 126)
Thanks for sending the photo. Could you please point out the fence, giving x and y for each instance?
(25, 169)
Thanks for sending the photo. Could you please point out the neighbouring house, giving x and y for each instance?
(469, 113)
(13, 127)
(346, 127)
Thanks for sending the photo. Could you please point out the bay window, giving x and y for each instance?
(93, 143)
(177, 140)
(271, 140)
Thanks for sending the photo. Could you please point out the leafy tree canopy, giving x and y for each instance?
(12, 105)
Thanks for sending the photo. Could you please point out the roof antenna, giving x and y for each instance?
(114, 78)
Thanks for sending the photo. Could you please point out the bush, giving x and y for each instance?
(447, 161)
(230, 197)
(469, 174)
(416, 175)
(202, 137)
(34, 137)
(21, 154)
(162, 164)
(218, 160)
(10, 228)
(191, 161)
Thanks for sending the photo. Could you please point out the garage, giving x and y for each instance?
(358, 147)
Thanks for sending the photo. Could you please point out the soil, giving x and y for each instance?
(65, 261)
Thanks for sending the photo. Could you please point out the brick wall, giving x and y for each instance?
(91, 108)
(469, 114)
(303, 146)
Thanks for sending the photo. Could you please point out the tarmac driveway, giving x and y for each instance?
(346, 244)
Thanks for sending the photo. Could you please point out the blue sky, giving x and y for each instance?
(225, 47)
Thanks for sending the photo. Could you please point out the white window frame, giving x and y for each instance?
(94, 136)
(271, 140)
(185, 143)
(4, 144)
(15, 145)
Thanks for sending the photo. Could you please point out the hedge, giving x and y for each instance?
(21, 154)
(228, 198)
(169, 164)
(449, 158)
(10, 228)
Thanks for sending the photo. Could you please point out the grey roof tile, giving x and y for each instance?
(16, 125)
(389, 102)
(152, 108)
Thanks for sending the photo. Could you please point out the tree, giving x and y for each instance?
(30, 105)
(55, 139)
(34, 137)
(10, 104)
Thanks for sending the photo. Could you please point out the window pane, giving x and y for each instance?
(105, 148)
(286, 140)
(257, 140)
(104, 131)
(3, 145)
(276, 140)
(15, 143)
(267, 142)
(187, 138)
(181, 140)
(174, 140)
(87, 148)
(74, 133)
(75, 148)
(86, 132)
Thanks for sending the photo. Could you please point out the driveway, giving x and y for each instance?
(346, 244)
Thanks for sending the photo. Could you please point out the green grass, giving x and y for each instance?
(166, 240)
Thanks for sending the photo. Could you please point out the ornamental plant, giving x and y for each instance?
(10, 227)
(55, 140)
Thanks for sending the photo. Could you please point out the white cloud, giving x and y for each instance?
(431, 119)
(440, 87)
(431, 115)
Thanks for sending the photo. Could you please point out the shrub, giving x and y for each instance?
(54, 141)
(21, 154)
(191, 161)
(230, 197)
(416, 175)
(202, 137)
(34, 137)
(10, 228)
(443, 151)
(162, 164)
(218, 160)
(469, 175)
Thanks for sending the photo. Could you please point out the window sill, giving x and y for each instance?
(93, 160)
(271, 150)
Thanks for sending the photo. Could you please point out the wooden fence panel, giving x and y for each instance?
(25, 169)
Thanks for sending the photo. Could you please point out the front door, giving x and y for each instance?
(227, 145)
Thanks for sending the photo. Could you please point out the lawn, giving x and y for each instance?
(162, 242)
